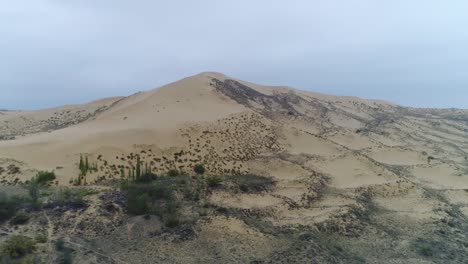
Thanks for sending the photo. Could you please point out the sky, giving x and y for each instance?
(55, 52)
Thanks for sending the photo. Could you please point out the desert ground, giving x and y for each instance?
(290, 177)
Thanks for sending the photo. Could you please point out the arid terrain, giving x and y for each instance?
(288, 176)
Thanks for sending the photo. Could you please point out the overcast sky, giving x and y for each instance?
(412, 52)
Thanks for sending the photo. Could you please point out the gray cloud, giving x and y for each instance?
(59, 52)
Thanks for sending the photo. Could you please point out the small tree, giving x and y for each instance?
(81, 166)
(33, 190)
(86, 165)
(138, 168)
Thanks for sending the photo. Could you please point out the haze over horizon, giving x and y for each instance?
(57, 53)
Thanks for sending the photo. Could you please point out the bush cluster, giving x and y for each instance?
(250, 183)
(17, 247)
(7, 207)
(163, 196)
(45, 177)
(20, 218)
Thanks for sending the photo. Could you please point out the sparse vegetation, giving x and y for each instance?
(72, 197)
(173, 173)
(41, 238)
(426, 251)
(251, 183)
(85, 167)
(17, 247)
(45, 177)
(59, 244)
(7, 207)
(172, 221)
(19, 218)
(33, 190)
(214, 181)
(165, 196)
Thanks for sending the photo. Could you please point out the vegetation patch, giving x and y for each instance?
(72, 198)
(65, 253)
(20, 218)
(251, 183)
(7, 207)
(45, 177)
(17, 247)
(167, 197)
(199, 169)
(214, 181)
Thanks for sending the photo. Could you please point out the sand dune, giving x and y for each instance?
(331, 158)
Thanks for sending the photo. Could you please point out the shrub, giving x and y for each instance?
(173, 173)
(18, 246)
(146, 177)
(41, 238)
(59, 244)
(426, 251)
(138, 204)
(33, 190)
(214, 181)
(20, 218)
(251, 182)
(66, 253)
(71, 197)
(199, 169)
(44, 177)
(66, 256)
(142, 197)
(7, 207)
(172, 221)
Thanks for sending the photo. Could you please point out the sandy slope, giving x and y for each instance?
(311, 124)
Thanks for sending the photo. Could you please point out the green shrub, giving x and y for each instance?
(7, 207)
(20, 218)
(173, 173)
(214, 181)
(59, 244)
(71, 196)
(33, 190)
(146, 177)
(172, 221)
(41, 238)
(150, 198)
(251, 183)
(44, 177)
(138, 204)
(199, 169)
(426, 251)
(65, 256)
(18, 246)
(83, 192)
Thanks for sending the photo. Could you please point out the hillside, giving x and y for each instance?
(303, 177)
